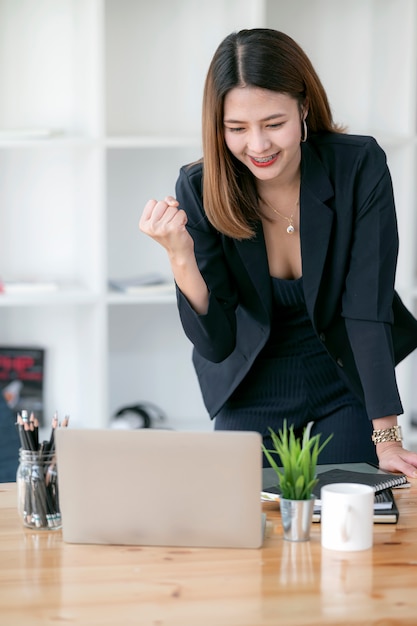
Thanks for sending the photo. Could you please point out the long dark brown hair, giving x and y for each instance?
(259, 57)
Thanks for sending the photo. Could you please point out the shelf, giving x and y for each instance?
(150, 358)
(370, 76)
(60, 297)
(156, 59)
(60, 141)
(133, 299)
(154, 141)
(49, 65)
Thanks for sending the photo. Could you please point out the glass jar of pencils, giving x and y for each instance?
(37, 490)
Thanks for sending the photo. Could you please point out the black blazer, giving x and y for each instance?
(349, 246)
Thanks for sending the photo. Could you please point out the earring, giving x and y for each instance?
(305, 132)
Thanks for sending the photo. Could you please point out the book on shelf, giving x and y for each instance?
(22, 378)
(385, 508)
(15, 134)
(27, 286)
(143, 284)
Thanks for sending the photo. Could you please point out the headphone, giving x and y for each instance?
(140, 415)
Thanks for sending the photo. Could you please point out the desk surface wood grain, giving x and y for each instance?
(46, 581)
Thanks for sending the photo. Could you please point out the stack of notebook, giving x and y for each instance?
(385, 508)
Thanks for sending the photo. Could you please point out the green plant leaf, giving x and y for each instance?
(298, 458)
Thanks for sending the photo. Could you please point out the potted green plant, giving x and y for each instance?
(297, 478)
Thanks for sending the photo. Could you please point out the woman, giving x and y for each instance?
(283, 245)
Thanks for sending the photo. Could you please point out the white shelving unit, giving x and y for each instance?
(119, 82)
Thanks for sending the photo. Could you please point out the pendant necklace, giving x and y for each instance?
(290, 220)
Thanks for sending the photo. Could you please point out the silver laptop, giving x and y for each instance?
(161, 488)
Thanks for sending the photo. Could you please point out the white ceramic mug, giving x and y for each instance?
(347, 511)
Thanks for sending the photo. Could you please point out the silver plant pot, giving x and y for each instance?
(296, 518)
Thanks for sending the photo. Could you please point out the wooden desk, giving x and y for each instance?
(45, 581)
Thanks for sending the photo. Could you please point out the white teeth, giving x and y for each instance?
(265, 159)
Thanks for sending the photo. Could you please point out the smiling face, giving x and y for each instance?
(262, 129)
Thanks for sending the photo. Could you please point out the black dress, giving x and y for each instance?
(295, 379)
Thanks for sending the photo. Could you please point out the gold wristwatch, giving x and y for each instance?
(387, 434)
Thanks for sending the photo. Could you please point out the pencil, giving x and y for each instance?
(51, 445)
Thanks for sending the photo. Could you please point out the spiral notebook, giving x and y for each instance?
(385, 508)
(378, 481)
(363, 473)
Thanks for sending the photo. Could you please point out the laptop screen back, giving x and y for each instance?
(156, 487)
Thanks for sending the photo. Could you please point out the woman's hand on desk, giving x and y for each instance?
(394, 458)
